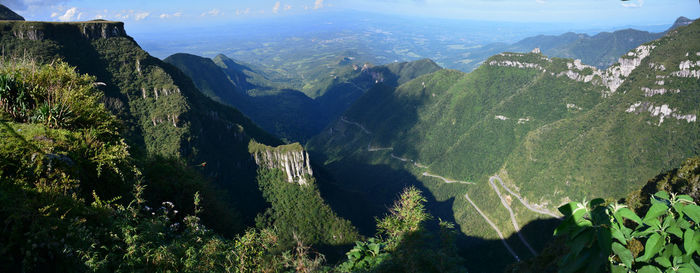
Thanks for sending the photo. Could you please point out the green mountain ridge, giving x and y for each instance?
(289, 113)
(600, 50)
(180, 142)
(552, 129)
(163, 112)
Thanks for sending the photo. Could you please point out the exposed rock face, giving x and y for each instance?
(662, 111)
(97, 29)
(291, 159)
(615, 75)
(516, 64)
(610, 78)
(648, 92)
(687, 69)
(92, 30)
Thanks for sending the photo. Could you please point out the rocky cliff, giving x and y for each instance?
(90, 30)
(291, 159)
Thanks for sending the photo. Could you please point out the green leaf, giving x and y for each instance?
(684, 197)
(675, 230)
(617, 234)
(654, 212)
(623, 253)
(629, 214)
(568, 209)
(663, 195)
(649, 269)
(653, 245)
(693, 211)
(689, 241)
(374, 248)
(663, 261)
(616, 268)
(604, 240)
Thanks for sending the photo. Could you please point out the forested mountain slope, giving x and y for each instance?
(600, 50)
(163, 112)
(289, 113)
(552, 130)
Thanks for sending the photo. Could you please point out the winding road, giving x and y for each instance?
(503, 239)
(374, 149)
(525, 203)
(448, 181)
(493, 186)
(512, 217)
(342, 118)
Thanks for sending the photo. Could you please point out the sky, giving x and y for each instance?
(141, 14)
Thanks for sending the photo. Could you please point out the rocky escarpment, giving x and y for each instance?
(610, 78)
(37, 31)
(291, 159)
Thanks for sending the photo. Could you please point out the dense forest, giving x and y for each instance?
(112, 160)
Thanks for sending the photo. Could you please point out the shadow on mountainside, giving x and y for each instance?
(362, 193)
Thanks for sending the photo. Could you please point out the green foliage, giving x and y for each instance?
(547, 150)
(282, 108)
(405, 217)
(365, 256)
(597, 234)
(405, 242)
(299, 212)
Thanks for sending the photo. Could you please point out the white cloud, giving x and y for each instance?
(213, 12)
(631, 4)
(166, 16)
(276, 7)
(68, 16)
(141, 15)
(318, 4)
(54, 14)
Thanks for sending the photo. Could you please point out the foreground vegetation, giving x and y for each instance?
(72, 196)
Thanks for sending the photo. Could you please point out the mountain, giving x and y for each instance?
(8, 14)
(600, 50)
(164, 113)
(522, 127)
(129, 134)
(289, 113)
(683, 180)
(681, 21)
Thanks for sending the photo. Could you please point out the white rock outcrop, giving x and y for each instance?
(662, 111)
(573, 106)
(615, 75)
(294, 163)
(687, 69)
(501, 117)
(648, 92)
(517, 64)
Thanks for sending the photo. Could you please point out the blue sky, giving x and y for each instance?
(151, 13)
